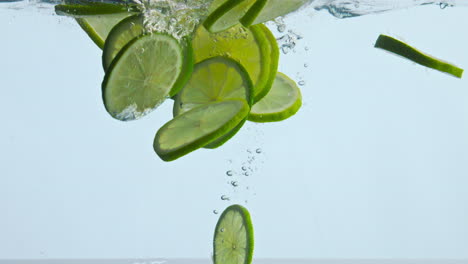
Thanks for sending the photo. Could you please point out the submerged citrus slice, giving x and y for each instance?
(283, 101)
(121, 35)
(198, 127)
(98, 27)
(266, 10)
(248, 46)
(233, 241)
(143, 75)
(274, 52)
(395, 46)
(93, 8)
(227, 15)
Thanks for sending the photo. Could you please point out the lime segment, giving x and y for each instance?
(248, 46)
(266, 10)
(233, 238)
(227, 15)
(98, 27)
(198, 127)
(119, 36)
(142, 76)
(400, 48)
(274, 52)
(283, 101)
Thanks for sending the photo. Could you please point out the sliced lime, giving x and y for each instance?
(274, 52)
(248, 46)
(98, 27)
(215, 5)
(198, 127)
(283, 101)
(266, 10)
(142, 76)
(215, 79)
(121, 35)
(93, 8)
(227, 15)
(233, 241)
(400, 48)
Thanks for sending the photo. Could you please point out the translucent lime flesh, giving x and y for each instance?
(266, 10)
(121, 35)
(227, 15)
(248, 46)
(273, 50)
(233, 239)
(198, 127)
(142, 76)
(400, 48)
(283, 101)
(98, 27)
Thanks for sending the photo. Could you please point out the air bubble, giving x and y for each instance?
(301, 83)
(234, 183)
(229, 173)
(215, 212)
(225, 198)
(258, 151)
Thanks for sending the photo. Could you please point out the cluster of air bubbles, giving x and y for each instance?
(288, 41)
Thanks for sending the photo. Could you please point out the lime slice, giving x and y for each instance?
(395, 46)
(283, 101)
(215, 5)
(119, 36)
(274, 52)
(227, 15)
(266, 10)
(142, 76)
(98, 27)
(198, 127)
(92, 9)
(233, 241)
(248, 46)
(215, 79)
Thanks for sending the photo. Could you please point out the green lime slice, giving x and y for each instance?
(282, 102)
(121, 35)
(274, 52)
(227, 15)
(215, 79)
(266, 10)
(98, 27)
(233, 241)
(93, 8)
(198, 127)
(143, 75)
(215, 5)
(248, 46)
(400, 48)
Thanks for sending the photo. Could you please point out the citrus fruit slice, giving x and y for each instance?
(98, 27)
(93, 8)
(248, 46)
(119, 36)
(400, 48)
(266, 10)
(274, 52)
(283, 101)
(227, 15)
(198, 127)
(233, 241)
(215, 79)
(143, 75)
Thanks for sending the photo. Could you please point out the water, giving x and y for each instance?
(372, 167)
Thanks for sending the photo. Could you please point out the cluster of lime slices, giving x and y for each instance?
(220, 77)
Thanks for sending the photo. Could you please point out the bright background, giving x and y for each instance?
(375, 165)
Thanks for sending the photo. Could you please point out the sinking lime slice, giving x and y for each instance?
(93, 8)
(274, 52)
(121, 35)
(198, 127)
(233, 241)
(283, 101)
(143, 75)
(400, 48)
(227, 15)
(266, 10)
(248, 46)
(98, 27)
(215, 79)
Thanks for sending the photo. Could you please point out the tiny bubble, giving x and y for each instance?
(258, 151)
(244, 168)
(229, 173)
(234, 183)
(306, 65)
(246, 173)
(306, 48)
(225, 198)
(215, 212)
(301, 83)
(221, 230)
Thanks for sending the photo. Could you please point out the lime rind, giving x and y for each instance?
(227, 15)
(187, 66)
(400, 48)
(282, 102)
(135, 84)
(222, 233)
(120, 35)
(266, 10)
(274, 52)
(198, 127)
(93, 8)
